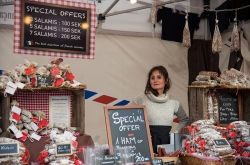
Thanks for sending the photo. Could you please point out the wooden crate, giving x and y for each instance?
(78, 107)
(198, 102)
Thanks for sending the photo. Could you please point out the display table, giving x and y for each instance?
(37, 146)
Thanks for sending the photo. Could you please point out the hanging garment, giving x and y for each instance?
(174, 23)
(243, 14)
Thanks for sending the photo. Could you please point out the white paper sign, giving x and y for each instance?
(33, 126)
(68, 134)
(20, 85)
(10, 90)
(59, 110)
(16, 110)
(73, 138)
(52, 133)
(13, 128)
(18, 134)
(35, 136)
(12, 85)
(76, 83)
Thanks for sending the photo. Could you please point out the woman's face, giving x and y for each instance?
(157, 81)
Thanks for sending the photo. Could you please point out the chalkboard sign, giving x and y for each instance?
(44, 81)
(157, 162)
(56, 28)
(128, 126)
(9, 148)
(221, 142)
(63, 149)
(229, 110)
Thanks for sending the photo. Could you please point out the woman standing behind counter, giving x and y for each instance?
(161, 107)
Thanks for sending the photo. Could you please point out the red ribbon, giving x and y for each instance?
(187, 145)
(230, 127)
(58, 82)
(232, 135)
(35, 120)
(30, 71)
(24, 137)
(55, 70)
(16, 116)
(190, 128)
(197, 140)
(43, 155)
(70, 76)
(77, 162)
(75, 143)
(80, 149)
(26, 156)
(33, 82)
(245, 154)
(42, 124)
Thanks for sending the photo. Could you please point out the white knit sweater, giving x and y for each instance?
(161, 109)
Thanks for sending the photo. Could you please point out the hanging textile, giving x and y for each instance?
(235, 39)
(216, 44)
(186, 41)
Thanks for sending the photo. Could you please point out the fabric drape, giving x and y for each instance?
(201, 58)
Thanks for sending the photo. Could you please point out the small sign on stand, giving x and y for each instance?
(157, 162)
(63, 149)
(221, 142)
(9, 149)
(44, 81)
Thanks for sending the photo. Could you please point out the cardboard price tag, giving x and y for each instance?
(10, 90)
(16, 110)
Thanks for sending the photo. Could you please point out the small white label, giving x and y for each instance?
(10, 90)
(18, 134)
(20, 85)
(33, 126)
(52, 134)
(57, 76)
(13, 128)
(28, 79)
(12, 85)
(76, 83)
(68, 134)
(35, 136)
(73, 138)
(16, 110)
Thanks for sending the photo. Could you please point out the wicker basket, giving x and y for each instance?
(189, 159)
(243, 161)
(168, 159)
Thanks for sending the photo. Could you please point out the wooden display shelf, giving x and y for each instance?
(198, 102)
(78, 106)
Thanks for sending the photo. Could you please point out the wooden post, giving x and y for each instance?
(5, 114)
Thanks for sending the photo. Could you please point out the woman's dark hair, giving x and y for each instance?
(163, 71)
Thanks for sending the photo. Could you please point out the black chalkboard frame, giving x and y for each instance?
(57, 154)
(12, 153)
(22, 45)
(225, 140)
(234, 91)
(129, 107)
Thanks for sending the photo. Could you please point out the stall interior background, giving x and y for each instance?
(125, 51)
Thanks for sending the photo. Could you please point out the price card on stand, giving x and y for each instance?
(63, 149)
(9, 149)
(221, 142)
